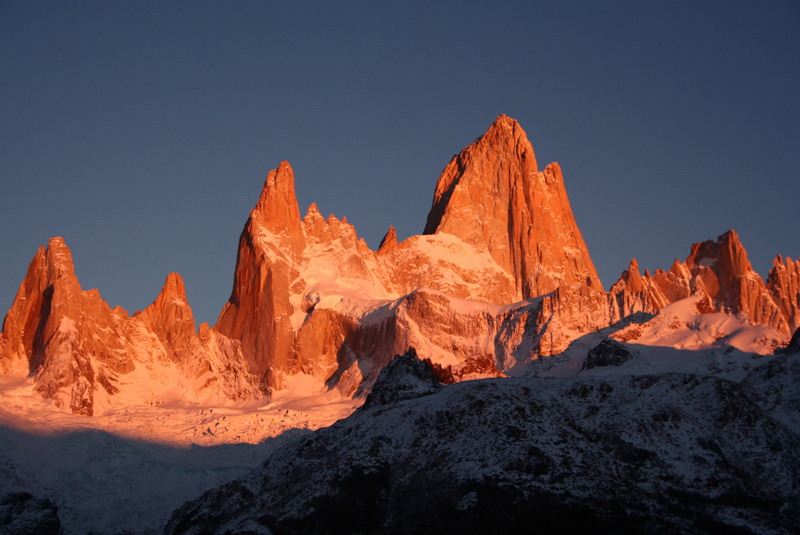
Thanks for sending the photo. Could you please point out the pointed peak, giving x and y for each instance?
(630, 280)
(504, 121)
(730, 235)
(277, 208)
(279, 183)
(313, 210)
(389, 240)
(59, 258)
(493, 197)
(172, 294)
(313, 216)
(174, 286)
(504, 129)
(778, 261)
(55, 242)
(728, 249)
(473, 176)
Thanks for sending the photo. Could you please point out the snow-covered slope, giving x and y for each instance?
(664, 453)
(127, 469)
(685, 337)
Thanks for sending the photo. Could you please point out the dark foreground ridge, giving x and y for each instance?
(405, 377)
(670, 453)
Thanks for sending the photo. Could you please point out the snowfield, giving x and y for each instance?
(128, 469)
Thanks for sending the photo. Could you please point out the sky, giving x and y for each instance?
(142, 132)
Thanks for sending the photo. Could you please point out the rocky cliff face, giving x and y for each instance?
(493, 197)
(82, 353)
(783, 284)
(308, 292)
(259, 310)
(721, 270)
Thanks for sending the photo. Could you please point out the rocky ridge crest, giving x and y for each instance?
(499, 280)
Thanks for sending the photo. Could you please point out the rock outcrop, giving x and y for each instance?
(493, 197)
(405, 377)
(721, 270)
(70, 339)
(82, 353)
(259, 310)
(305, 289)
(170, 318)
(783, 284)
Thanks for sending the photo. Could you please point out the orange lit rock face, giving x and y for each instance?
(783, 285)
(269, 289)
(500, 278)
(171, 318)
(499, 231)
(80, 350)
(57, 330)
(720, 269)
(494, 198)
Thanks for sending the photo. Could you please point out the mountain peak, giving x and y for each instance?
(629, 280)
(59, 258)
(173, 286)
(277, 208)
(313, 211)
(506, 123)
(727, 253)
(389, 240)
(493, 197)
(171, 318)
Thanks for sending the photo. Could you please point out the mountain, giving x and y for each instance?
(497, 387)
(494, 198)
(500, 283)
(83, 355)
(721, 270)
(666, 453)
(310, 297)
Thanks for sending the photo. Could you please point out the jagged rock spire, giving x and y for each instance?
(258, 311)
(389, 240)
(171, 318)
(493, 197)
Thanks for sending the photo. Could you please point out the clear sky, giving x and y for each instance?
(142, 132)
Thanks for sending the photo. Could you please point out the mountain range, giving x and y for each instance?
(500, 278)
(499, 287)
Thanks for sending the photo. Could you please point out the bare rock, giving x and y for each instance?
(609, 352)
(783, 285)
(493, 197)
(406, 377)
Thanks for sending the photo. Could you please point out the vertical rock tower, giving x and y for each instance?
(493, 196)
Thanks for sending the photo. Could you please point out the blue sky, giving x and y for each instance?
(142, 132)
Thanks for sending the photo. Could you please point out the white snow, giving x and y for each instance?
(130, 467)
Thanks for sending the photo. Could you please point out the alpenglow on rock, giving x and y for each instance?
(499, 282)
(493, 196)
(720, 270)
(310, 297)
(82, 353)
